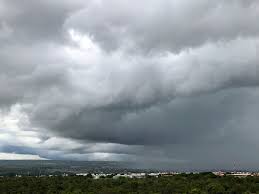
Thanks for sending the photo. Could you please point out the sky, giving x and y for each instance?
(154, 82)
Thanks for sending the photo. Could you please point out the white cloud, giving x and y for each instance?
(13, 156)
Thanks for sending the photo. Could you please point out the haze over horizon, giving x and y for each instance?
(155, 82)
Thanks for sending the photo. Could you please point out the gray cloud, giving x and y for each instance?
(118, 80)
(37, 21)
(166, 25)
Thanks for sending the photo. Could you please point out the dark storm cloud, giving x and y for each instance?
(80, 77)
(184, 120)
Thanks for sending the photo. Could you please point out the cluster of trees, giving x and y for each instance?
(182, 183)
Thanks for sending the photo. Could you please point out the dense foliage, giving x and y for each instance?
(182, 183)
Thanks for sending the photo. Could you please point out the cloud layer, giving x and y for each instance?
(155, 81)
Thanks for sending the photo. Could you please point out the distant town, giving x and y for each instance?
(118, 177)
(143, 174)
(96, 170)
(158, 174)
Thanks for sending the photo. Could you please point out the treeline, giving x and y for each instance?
(182, 183)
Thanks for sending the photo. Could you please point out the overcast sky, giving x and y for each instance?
(168, 81)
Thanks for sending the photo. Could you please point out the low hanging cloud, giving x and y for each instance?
(122, 80)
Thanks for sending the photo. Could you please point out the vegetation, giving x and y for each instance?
(182, 183)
